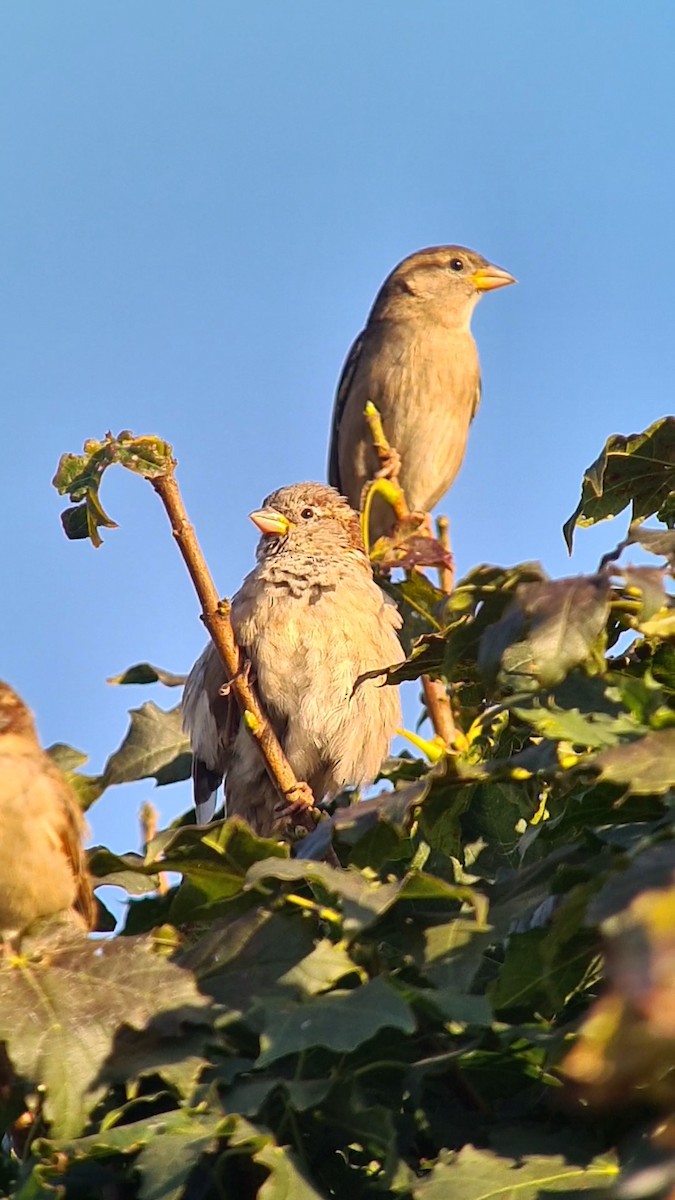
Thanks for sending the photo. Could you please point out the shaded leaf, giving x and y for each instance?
(286, 1180)
(146, 673)
(644, 767)
(549, 629)
(59, 1015)
(340, 1021)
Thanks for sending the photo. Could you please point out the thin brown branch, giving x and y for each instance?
(435, 693)
(215, 615)
(149, 819)
(446, 575)
(439, 709)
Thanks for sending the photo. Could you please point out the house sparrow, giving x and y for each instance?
(42, 864)
(312, 621)
(417, 362)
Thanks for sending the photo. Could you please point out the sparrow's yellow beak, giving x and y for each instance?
(270, 522)
(486, 279)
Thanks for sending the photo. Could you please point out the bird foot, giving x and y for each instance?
(390, 463)
(415, 522)
(425, 528)
(245, 672)
(300, 800)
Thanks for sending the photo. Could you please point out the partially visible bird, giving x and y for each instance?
(417, 362)
(312, 621)
(42, 862)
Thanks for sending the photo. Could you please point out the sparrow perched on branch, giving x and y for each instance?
(42, 862)
(311, 621)
(417, 362)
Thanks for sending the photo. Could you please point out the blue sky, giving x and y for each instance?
(199, 203)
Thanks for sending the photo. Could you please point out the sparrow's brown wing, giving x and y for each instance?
(343, 389)
(211, 718)
(479, 393)
(71, 835)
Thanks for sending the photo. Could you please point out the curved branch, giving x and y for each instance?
(215, 615)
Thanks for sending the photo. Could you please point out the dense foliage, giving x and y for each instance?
(478, 1001)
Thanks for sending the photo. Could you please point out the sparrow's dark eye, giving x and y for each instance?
(307, 514)
(456, 264)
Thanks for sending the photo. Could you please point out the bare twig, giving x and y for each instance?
(435, 692)
(446, 575)
(439, 709)
(148, 817)
(216, 617)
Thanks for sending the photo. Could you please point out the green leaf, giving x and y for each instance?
(340, 1021)
(146, 673)
(260, 954)
(361, 900)
(167, 1159)
(59, 1016)
(549, 629)
(154, 747)
(588, 730)
(656, 541)
(541, 972)
(483, 1175)
(637, 470)
(286, 1180)
(79, 476)
(645, 767)
(214, 860)
(128, 871)
(66, 757)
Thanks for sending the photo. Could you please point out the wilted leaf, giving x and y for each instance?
(79, 476)
(639, 469)
(625, 1047)
(650, 869)
(410, 552)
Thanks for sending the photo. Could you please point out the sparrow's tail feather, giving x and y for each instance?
(205, 783)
